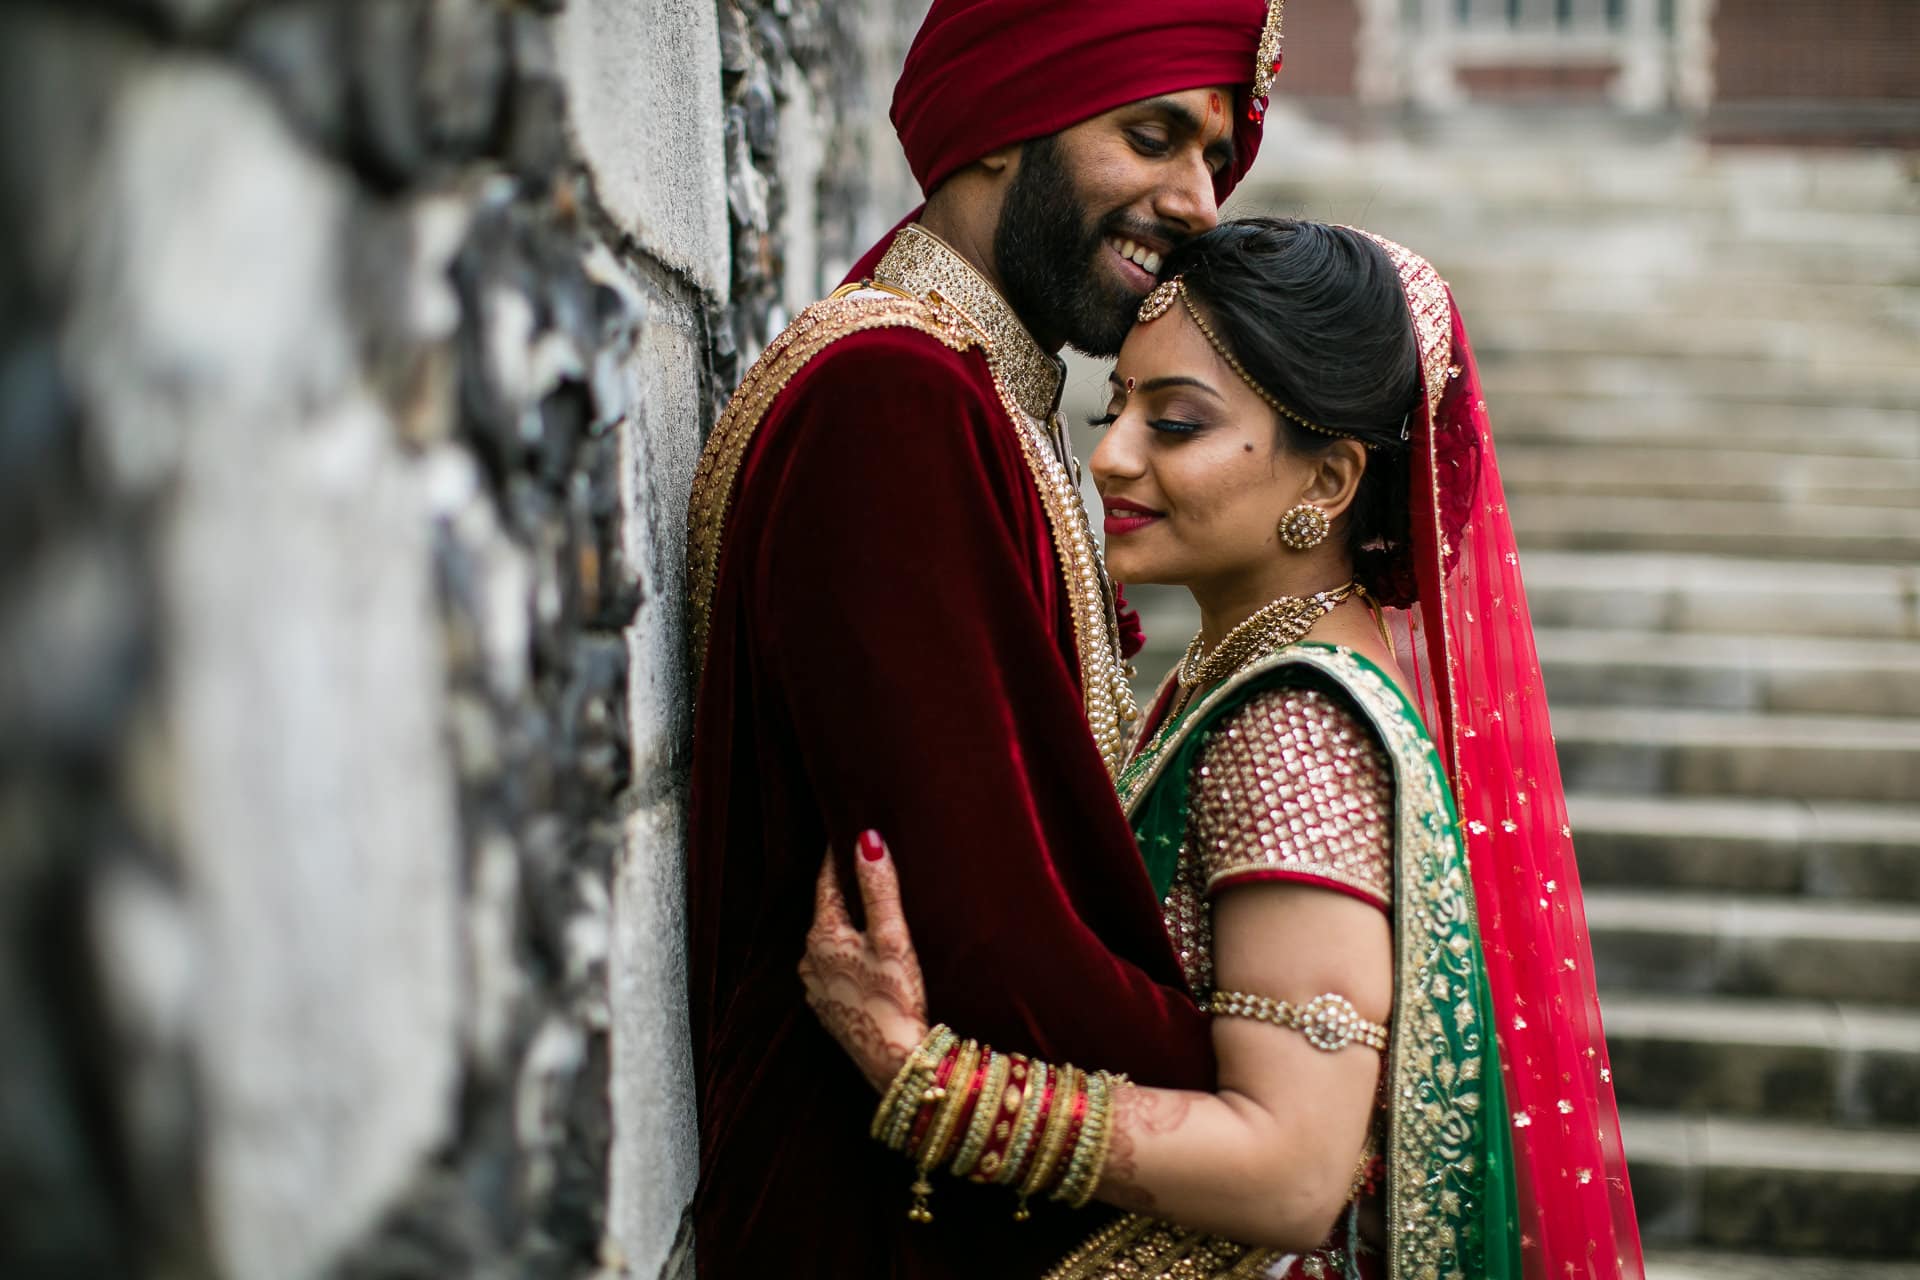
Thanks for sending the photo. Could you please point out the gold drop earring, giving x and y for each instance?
(1305, 527)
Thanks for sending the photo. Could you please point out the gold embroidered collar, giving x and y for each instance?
(922, 264)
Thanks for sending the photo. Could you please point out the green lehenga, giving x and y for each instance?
(1449, 1196)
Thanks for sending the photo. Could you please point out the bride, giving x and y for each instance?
(1347, 799)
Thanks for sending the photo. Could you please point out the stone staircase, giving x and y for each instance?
(1705, 378)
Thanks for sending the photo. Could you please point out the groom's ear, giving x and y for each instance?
(1001, 161)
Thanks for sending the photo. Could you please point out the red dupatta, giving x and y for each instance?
(1477, 680)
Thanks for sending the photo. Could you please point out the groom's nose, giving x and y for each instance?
(1185, 197)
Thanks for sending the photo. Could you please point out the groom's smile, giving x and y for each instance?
(1139, 263)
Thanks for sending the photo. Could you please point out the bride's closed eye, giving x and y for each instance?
(1176, 426)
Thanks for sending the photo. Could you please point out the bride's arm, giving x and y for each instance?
(1268, 1158)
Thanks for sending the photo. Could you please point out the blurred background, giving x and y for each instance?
(354, 358)
(1686, 240)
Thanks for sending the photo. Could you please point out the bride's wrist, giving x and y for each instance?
(899, 1038)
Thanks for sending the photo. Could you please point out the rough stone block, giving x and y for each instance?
(311, 796)
(803, 155)
(660, 445)
(655, 1154)
(317, 828)
(643, 77)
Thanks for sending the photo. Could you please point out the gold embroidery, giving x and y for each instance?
(960, 309)
(1293, 783)
(923, 265)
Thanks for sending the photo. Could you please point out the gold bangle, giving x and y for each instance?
(1069, 1186)
(1059, 1121)
(985, 1112)
(942, 1129)
(940, 1132)
(911, 1088)
(1098, 1164)
(1329, 1022)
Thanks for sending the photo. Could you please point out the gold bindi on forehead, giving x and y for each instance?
(1161, 301)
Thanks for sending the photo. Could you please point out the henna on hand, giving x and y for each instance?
(865, 987)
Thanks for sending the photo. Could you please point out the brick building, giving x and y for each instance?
(1738, 71)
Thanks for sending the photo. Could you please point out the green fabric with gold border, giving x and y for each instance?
(1451, 1196)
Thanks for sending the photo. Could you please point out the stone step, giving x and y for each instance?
(1803, 531)
(1325, 174)
(1602, 186)
(1814, 1061)
(1661, 419)
(1819, 675)
(1817, 849)
(1624, 470)
(1713, 1264)
(1467, 245)
(1871, 381)
(1774, 1186)
(1661, 942)
(1720, 595)
(1723, 312)
(1507, 321)
(1649, 751)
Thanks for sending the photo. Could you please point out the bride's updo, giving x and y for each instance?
(1316, 316)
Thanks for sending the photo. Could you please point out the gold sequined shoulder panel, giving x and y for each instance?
(1294, 786)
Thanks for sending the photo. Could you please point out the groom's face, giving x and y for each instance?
(1093, 210)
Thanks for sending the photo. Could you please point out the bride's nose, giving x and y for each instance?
(1118, 457)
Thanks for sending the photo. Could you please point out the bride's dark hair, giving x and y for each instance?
(1316, 316)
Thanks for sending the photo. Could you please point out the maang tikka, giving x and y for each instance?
(1162, 300)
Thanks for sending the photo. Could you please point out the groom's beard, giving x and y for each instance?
(1047, 250)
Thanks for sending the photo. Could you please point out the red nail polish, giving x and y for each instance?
(870, 846)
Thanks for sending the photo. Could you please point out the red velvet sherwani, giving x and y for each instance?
(903, 626)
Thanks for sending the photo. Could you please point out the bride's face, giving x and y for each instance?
(1189, 469)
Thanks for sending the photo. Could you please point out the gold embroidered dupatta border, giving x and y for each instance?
(1107, 696)
(1442, 1065)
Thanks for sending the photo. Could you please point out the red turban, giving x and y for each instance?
(984, 74)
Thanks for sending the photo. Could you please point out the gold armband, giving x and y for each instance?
(1329, 1022)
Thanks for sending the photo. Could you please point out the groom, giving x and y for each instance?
(901, 622)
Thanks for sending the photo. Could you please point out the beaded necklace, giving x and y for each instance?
(1273, 626)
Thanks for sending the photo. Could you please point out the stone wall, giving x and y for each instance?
(354, 358)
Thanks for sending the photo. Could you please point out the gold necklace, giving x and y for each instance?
(1271, 627)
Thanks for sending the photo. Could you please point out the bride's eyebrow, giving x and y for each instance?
(1161, 384)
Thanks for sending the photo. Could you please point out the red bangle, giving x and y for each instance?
(965, 1117)
(1000, 1137)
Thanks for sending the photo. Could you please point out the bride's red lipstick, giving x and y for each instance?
(1124, 517)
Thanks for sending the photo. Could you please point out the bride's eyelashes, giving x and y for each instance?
(1168, 426)
(1176, 426)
